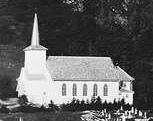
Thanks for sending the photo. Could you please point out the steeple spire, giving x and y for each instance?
(35, 37)
(35, 33)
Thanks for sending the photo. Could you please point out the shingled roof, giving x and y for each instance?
(74, 68)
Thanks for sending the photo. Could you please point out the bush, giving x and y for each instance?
(23, 100)
(31, 108)
(53, 107)
(74, 105)
(94, 104)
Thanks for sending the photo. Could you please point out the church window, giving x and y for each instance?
(95, 90)
(74, 90)
(105, 90)
(64, 90)
(85, 90)
(131, 86)
(120, 85)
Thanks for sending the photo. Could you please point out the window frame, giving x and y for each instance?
(63, 89)
(95, 90)
(85, 89)
(74, 90)
(105, 90)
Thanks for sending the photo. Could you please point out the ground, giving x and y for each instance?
(42, 116)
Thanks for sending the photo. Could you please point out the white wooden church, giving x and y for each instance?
(62, 78)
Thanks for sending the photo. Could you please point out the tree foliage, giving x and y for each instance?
(6, 89)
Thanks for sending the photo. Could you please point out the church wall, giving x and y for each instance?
(38, 91)
(35, 61)
(58, 98)
(128, 97)
(128, 85)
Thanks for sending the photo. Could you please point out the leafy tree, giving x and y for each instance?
(6, 89)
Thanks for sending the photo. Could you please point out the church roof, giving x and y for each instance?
(35, 48)
(64, 68)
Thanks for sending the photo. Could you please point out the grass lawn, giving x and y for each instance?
(42, 116)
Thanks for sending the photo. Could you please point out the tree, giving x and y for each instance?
(6, 89)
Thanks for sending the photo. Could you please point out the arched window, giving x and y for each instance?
(120, 85)
(105, 90)
(95, 90)
(131, 86)
(85, 90)
(64, 90)
(74, 90)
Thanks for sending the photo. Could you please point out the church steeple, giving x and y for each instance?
(35, 33)
(35, 37)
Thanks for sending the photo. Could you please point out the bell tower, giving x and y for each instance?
(35, 54)
(35, 80)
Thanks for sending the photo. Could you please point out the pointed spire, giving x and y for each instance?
(35, 33)
(35, 37)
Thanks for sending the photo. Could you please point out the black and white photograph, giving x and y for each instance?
(76, 60)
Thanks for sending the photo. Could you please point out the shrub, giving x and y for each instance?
(52, 106)
(31, 108)
(23, 100)
(94, 104)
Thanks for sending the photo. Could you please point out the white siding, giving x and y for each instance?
(112, 91)
(35, 61)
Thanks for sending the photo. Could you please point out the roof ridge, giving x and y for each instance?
(125, 73)
(79, 57)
